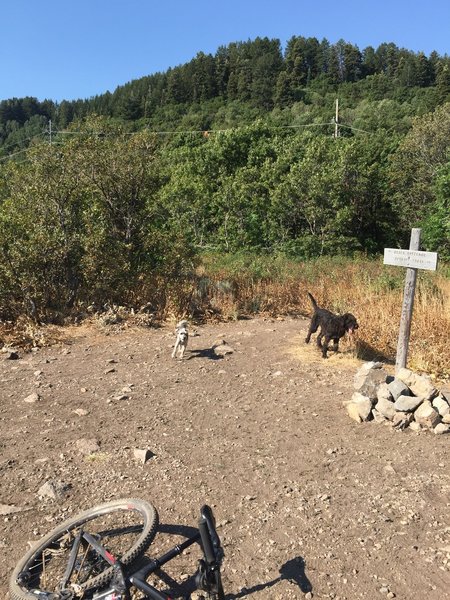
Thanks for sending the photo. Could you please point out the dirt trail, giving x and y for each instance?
(307, 500)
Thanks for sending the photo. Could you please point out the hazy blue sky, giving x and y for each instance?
(67, 50)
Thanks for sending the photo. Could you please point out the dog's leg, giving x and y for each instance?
(313, 326)
(325, 347)
(319, 338)
(335, 347)
(182, 349)
(175, 348)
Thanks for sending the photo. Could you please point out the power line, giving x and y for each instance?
(202, 131)
(13, 154)
(355, 128)
(52, 133)
(24, 140)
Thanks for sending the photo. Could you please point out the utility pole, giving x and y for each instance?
(50, 131)
(336, 120)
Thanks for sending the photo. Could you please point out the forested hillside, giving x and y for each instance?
(114, 198)
(378, 88)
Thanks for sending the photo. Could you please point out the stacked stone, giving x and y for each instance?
(406, 400)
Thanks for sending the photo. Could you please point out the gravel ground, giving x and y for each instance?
(309, 503)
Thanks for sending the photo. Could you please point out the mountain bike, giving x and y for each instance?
(99, 555)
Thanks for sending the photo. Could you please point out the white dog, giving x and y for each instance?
(182, 339)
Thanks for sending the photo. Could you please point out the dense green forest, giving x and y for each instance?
(115, 197)
(379, 88)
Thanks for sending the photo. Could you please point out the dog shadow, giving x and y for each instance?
(366, 352)
(205, 353)
(293, 571)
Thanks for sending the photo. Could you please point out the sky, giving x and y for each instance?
(61, 50)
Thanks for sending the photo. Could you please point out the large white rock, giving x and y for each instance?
(368, 378)
(441, 405)
(419, 385)
(426, 415)
(441, 428)
(359, 408)
(407, 403)
(398, 388)
(386, 408)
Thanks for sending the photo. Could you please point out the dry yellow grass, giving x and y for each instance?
(368, 289)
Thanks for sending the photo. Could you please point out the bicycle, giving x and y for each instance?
(97, 555)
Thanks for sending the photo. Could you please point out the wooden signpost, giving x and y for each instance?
(412, 259)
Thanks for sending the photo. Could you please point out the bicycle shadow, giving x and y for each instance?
(176, 589)
(293, 571)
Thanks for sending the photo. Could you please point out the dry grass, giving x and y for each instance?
(25, 333)
(236, 287)
(368, 289)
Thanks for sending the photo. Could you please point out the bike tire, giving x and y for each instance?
(145, 510)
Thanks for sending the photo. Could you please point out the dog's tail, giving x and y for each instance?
(314, 303)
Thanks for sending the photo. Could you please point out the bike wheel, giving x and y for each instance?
(125, 528)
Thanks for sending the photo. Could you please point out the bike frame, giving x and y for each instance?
(207, 577)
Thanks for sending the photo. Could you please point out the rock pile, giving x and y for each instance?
(406, 400)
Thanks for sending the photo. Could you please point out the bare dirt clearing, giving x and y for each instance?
(307, 500)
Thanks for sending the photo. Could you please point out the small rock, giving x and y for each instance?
(87, 446)
(56, 490)
(32, 398)
(401, 420)
(414, 426)
(378, 417)
(81, 412)
(441, 428)
(11, 355)
(390, 469)
(142, 455)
